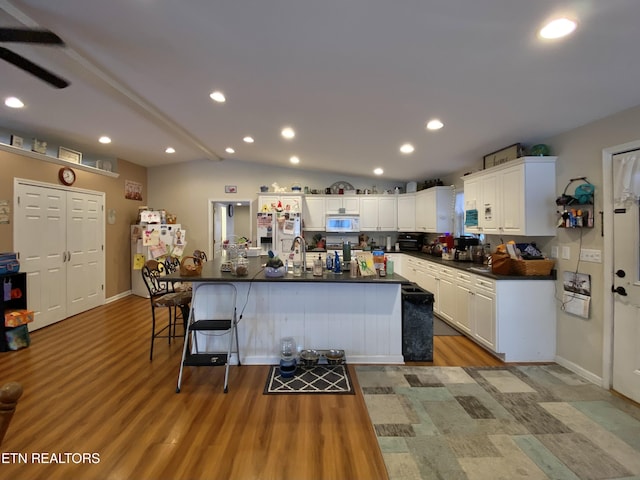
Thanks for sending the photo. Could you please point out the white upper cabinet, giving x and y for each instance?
(434, 210)
(314, 213)
(516, 198)
(333, 204)
(378, 213)
(406, 212)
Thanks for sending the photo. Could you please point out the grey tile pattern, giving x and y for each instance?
(508, 422)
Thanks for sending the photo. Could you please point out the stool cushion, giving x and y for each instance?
(173, 299)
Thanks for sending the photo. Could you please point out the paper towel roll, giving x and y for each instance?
(388, 243)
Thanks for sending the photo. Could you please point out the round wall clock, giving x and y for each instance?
(67, 176)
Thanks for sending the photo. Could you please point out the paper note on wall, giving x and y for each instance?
(576, 304)
(150, 238)
(138, 261)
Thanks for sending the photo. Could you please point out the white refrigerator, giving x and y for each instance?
(277, 230)
(152, 242)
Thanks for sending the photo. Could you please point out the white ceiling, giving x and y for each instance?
(355, 78)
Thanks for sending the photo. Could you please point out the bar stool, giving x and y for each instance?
(212, 316)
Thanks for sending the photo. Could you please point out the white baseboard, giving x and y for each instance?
(578, 370)
(117, 297)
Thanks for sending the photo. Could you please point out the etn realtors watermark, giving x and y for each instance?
(50, 457)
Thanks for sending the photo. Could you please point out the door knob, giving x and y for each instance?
(619, 290)
(620, 273)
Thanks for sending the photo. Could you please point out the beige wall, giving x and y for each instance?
(580, 341)
(117, 248)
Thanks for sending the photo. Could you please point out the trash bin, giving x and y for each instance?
(417, 323)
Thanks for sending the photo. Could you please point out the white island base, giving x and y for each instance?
(363, 319)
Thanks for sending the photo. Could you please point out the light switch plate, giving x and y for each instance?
(590, 255)
(554, 252)
(566, 253)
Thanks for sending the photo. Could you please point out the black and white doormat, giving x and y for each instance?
(319, 379)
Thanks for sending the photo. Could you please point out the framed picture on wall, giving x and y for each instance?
(69, 155)
(16, 141)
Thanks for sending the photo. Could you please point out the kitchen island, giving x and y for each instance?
(360, 315)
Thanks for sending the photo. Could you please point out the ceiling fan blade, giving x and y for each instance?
(25, 35)
(28, 66)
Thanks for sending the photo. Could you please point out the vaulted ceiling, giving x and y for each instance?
(356, 79)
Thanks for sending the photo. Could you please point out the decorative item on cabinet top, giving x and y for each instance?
(503, 155)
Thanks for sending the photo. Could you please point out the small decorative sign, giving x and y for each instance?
(16, 141)
(230, 189)
(39, 146)
(502, 156)
(69, 155)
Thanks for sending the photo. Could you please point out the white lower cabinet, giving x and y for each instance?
(483, 312)
(464, 302)
(514, 319)
(447, 294)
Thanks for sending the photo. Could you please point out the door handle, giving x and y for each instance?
(619, 290)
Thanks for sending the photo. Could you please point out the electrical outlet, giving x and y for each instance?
(554, 252)
(566, 253)
(589, 255)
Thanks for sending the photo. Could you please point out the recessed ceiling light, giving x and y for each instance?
(104, 139)
(288, 132)
(248, 139)
(378, 171)
(407, 148)
(434, 124)
(218, 96)
(229, 150)
(560, 27)
(13, 102)
(294, 160)
(170, 150)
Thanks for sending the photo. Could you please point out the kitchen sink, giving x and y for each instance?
(480, 269)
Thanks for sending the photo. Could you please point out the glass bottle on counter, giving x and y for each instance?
(317, 266)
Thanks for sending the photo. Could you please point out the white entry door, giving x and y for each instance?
(626, 278)
(59, 235)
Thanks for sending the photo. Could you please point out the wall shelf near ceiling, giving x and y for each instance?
(57, 161)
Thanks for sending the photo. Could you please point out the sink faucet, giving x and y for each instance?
(303, 247)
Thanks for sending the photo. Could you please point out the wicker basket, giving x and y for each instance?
(190, 267)
(532, 267)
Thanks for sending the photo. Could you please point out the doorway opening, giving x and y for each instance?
(229, 220)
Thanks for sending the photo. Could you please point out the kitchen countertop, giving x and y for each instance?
(472, 268)
(211, 273)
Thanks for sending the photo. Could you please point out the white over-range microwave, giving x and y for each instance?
(342, 223)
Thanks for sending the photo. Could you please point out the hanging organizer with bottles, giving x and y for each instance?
(576, 211)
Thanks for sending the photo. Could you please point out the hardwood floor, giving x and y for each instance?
(89, 388)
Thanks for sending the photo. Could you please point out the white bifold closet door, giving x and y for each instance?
(59, 234)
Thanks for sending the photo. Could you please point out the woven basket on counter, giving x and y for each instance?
(190, 267)
(532, 267)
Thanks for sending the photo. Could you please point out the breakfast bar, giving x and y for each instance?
(360, 315)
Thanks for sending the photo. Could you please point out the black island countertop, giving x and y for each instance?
(211, 272)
